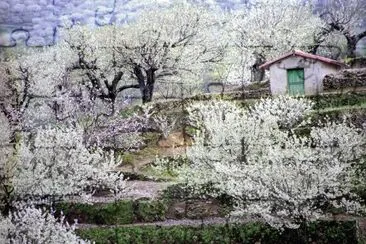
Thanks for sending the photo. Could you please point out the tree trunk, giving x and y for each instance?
(146, 83)
(351, 48)
(257, 74)
(352, 41)
(149, 87)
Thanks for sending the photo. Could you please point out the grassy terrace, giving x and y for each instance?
(319, 232)
(331, 106)
(165, 219)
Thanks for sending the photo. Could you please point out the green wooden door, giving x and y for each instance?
(295, 79)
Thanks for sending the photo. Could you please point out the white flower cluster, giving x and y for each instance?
(32, 225)
(4, 130)
(267, 29)
(288, 111)
(56, 163)
(180, 38)
(164, 124)
(171, 166)
(177, 43)
(46, 68)
(47, 163)
(269, 170)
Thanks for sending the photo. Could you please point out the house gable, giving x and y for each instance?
(313, 74)
(305, 55)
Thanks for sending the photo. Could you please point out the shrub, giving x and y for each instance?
(111, 213)
(149, 211)
(121, 212)
(320, 232)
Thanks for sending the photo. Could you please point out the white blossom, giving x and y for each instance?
(343, 25)
(288, 111)
(164, 124)
(56, 163)
(266, 30)
(257, 158)
(32, 225)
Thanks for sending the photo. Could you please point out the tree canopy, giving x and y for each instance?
(260, 159)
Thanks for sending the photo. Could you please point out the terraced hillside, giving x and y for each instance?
(158, 209)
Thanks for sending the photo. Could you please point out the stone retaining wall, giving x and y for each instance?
(348, 78)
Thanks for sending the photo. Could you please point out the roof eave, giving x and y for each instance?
(301, 54)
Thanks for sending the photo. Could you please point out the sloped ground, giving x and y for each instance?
(145, 189)
(151, 187)
(146, 156)
(181, 222)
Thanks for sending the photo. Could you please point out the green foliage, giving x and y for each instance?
(323, 232)
(180, 192)
(121, 212)
(129, 211)
(151, 138)
(190, 130)
(176, 191)
(98, 235)
(149, 211)
(319, 232)
(130, 111)
(338, 100)
(127, 158)
(170, 165)
(111, 213)
(354, 116)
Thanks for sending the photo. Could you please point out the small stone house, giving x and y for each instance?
(299, 73)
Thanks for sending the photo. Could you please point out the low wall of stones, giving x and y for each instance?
(348, 78)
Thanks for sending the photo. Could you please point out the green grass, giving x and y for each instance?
(151, 138)
(129, 111)
(338, 100)
(121, 212)
(149, 171)
(343, 108)
(318, 232)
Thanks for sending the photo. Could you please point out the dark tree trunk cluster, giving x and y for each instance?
(146, 81)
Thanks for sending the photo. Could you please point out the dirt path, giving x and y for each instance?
(173, 222)
(135, 190)
(145, 189)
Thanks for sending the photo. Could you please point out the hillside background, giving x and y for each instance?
(37, 22)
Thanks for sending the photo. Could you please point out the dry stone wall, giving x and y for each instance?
(348, 78)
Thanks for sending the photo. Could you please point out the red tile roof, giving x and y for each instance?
(304, 55)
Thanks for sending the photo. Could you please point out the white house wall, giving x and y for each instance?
(314, 72)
